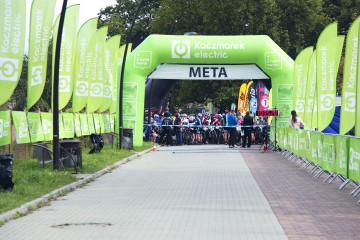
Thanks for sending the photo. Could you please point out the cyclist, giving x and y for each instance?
(166, 124)
(198, 128)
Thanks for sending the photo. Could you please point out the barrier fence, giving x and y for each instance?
(337, 155)
(35, 127)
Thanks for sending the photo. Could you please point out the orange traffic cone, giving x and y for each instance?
(153, 148)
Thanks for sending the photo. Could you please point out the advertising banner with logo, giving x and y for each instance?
(47, 125)
(77, 125)
(301, 67)
(112, 122)
(67, 55)
(253, 98)
(21, 127)
(328, 153)
(35, 126)
(354, 159)
(290, 143)
(203, 50)
(106, 122)
(84, 52)
(302, 145)
(110, 70)
(91, 125)
(96, 94)
(342, 154)
(315, 147)
(247, 96)
(241, 99)
(12, 32)
(69, 128)
(348, 96)
(97, 123)
(41, 20)
(84, 124)
(310, 116)
(263, 96)
(327, 66)
(62, 133)
(5, 128)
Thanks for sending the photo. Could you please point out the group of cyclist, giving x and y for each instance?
(230, 128)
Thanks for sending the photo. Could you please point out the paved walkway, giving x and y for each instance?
(198, 192)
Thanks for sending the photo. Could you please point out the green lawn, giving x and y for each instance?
(33, 181)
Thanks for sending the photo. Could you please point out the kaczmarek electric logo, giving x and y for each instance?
(350, 102)
(36, 76)
(326, 102)
(180, 49)
(9, 69)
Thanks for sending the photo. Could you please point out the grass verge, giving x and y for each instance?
(32, 181)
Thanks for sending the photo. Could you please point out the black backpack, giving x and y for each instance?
(166, 123)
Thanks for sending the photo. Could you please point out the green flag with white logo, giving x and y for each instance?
(47, 125)
(84, 125)
(342, 154)
(69, 128)
(301, 66)
(354, 159)
(110, 68)
(21, 127)
(84, 55)
(310, 117)
(106, 122)
(67, 53)
(326, 59)
(12, 43)
(61, 127)
(5, 128)
(328, 153)
(315, 147)
(41, 20)
(96, 93)
(97, 123)
(35, 126)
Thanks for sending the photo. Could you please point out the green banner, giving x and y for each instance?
(316, 147)
(96, 93)
(84, 54)
(342, 154)
(327, 59)
(112, 122)
(47, 125)
(35, 126)
(301, 67)
(69, 128)
(302, 135)
(91, 125)
(354, 159)
(84, 125)
(77, 125)
(21, 127)
(61, 127)
(328, 153)
(5, 128)
(97, 123)
(41, 20)
(106, 123)
(67, 55)
(110, 67)
(310, 117)
(12, 32)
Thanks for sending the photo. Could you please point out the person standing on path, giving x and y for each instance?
(295, 121)
(247, 126)
(232, 123)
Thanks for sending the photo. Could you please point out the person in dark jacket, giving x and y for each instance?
(247, 126)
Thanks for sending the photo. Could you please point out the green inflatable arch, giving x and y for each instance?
(216, 50)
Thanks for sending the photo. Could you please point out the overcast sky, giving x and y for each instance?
(88, 9)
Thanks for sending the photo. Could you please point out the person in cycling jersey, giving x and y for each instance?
(166, 126)
(198, 128)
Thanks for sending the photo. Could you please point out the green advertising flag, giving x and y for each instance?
(357, 110)
(328, 153)
(302, 135)
(47, 125)
(354, 159)
(12, 34)
(5, 128)
(310, 118)
(90, 120)
(342, 154)
(67, 55)
(110, 67)
(106, 122)
(96, 93)
(327, 53)
(69, 128)
(41, 20)
(21, 127)
(301, 66)
(84, 53)
(35, 126)
(77, 125)
(97, 123)
(84, 125)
